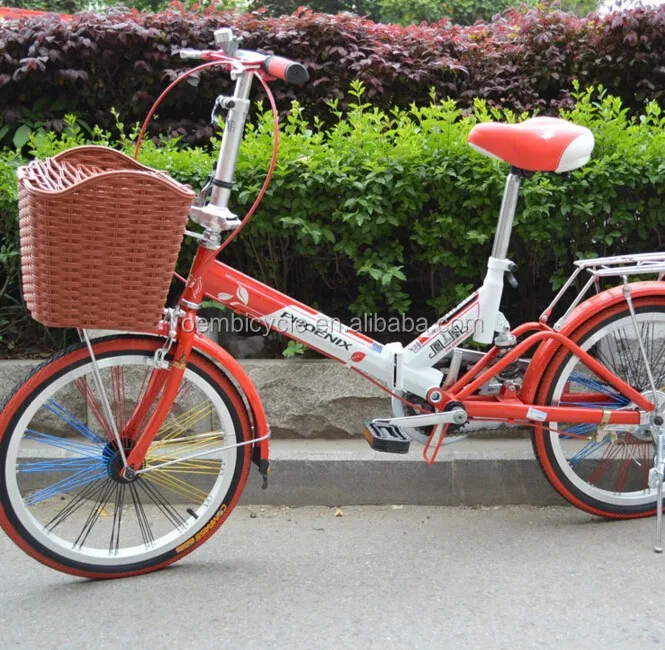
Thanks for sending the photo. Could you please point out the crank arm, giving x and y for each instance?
(455, 416)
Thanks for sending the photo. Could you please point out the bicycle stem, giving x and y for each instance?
(233, 132)
(216, 217)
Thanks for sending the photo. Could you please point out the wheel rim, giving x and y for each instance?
(611, 466)
(65, 490)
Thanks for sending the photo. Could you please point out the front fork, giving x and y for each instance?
(167, 381)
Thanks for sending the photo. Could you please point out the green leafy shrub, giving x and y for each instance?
(467, 12)
(459, 12)
(72, 6)
(408, 12)
(60, 6)
(391, 211)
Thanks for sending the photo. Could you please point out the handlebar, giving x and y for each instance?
(275, 66)
(289, 71)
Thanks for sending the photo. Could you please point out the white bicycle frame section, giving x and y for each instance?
(410, 369)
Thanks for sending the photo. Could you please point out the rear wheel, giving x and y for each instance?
(604, 470)
(63, 499)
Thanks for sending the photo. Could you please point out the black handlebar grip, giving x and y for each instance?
(294, 73)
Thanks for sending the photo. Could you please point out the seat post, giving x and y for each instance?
(506, 215)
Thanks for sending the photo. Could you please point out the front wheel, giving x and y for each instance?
(63, 499)
(604, 470)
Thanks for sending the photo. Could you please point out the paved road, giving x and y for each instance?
(376, 577)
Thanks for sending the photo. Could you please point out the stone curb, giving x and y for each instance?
(467, 473)
(303, 398)
(335, 473)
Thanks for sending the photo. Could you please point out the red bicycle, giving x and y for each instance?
(163, 425)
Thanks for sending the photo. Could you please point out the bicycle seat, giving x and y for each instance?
(539, 144)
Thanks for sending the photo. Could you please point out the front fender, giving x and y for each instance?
(236, 372)
(579, 315)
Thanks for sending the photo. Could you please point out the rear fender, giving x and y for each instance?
(584, 311)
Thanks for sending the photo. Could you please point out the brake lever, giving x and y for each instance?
(188, 54)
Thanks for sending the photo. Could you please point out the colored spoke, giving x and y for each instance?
(579, 430)
(114, 544)
(597, 405)
(217, 436)
(609, 455)
(144, 385)
(95, 407)
(142, 518)
(588, 449)
(182, 423)
(184, 390)
(177, 485)
(78, 479)
(68, 484)
(80, 448)
(624, 468)
(620, 462)
(89, 492)
(148, 397)
(59, 410)
(118, 391)
(597, 386)
(181, 448)
(194, 466)
(56, 465)
(164, 506)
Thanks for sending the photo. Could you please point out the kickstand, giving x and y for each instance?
(658, 470)
(657, 474)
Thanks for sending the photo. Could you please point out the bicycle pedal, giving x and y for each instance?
(386, 437)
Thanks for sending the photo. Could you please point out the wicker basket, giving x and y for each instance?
(100, 235)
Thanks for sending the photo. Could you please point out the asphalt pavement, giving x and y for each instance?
(363, 577)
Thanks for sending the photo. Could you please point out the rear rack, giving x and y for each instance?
(604, 267)
(624, 265)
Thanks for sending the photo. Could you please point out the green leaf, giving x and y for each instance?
(22, 136)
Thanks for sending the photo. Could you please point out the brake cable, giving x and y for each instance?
(262, 77)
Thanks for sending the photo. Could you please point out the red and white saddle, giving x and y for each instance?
(539, 144)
